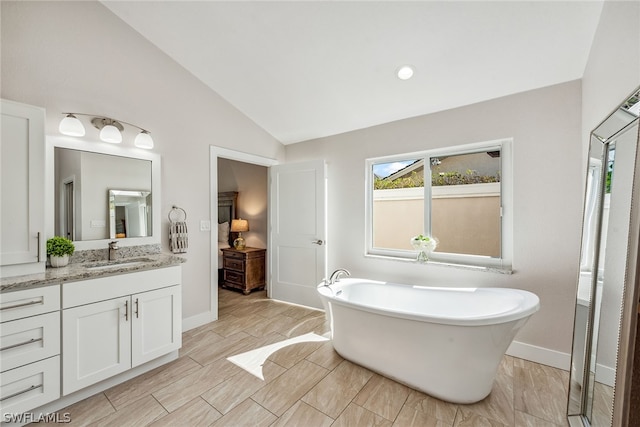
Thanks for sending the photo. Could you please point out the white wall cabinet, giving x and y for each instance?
(22, 189)
(29, 348)
(102, 338)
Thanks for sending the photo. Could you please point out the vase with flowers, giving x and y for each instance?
(424, 245)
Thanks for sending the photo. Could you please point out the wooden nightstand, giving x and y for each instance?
(244, 269)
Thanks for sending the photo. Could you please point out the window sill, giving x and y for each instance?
(483, 269)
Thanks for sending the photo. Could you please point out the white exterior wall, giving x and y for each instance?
(398, 215)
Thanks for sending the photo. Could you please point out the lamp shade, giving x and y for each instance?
(110, 133)
(239, 225)
(144, 140)
(70, 125)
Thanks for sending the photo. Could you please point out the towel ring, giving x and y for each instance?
(175, 210)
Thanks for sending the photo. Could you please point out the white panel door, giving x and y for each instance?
(156, 324)
(297, 216)
(96, 342)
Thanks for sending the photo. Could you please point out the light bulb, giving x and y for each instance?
(144, 140)
(110, 133)
(70, 125)
(405, 72)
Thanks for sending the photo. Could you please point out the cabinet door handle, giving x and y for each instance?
(126, 310)
(24, 304)
(137, 308)
(318, 242)
(33, 387)
(38, 250)
(31, 341)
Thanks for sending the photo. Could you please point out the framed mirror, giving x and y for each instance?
(130, 214)
(100, 192)
(604, 264)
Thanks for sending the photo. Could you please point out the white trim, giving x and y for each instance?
(487, 189)
(241, 156)
(225, 153)
(505, 262)
(197, 320)
(605, 375)
(544, 356)
(63, 204)
(415, 193)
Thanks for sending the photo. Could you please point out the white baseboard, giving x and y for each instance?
(197, 320)
(540, 355)
(605, 375)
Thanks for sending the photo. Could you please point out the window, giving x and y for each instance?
(459, 195)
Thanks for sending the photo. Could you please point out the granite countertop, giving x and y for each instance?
(88, 270)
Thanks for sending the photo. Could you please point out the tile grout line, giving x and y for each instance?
(246, 322)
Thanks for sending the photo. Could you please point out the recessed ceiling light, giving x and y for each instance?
(405, 72)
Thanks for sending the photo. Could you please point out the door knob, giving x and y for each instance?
(318, 242)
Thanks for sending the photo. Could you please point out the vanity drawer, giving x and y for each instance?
(233, 263)
(29, 302)
(30, 386)
(28, 340)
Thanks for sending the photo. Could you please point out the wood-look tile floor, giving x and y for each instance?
(305, 384)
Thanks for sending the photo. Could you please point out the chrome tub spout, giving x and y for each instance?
(335, 276)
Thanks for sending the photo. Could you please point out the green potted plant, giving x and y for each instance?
(59, 249)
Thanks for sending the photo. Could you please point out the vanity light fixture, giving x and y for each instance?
(405, 72)
(71, 126)
(110, 129)
(143, 140)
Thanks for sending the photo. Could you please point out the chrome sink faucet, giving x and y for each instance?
(335, 276)
(113, 247)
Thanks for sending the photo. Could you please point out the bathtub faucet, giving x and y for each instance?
(335, 276)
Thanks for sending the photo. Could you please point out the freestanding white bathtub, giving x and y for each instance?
(446, 342)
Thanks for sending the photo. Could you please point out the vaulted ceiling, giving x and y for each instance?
(305, 69)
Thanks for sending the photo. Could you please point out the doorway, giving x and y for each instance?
(296, 255)
(237, 171)
(68, 208)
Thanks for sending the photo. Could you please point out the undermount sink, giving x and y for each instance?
(105, 265)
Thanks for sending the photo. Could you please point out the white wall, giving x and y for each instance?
(78, 56)
(545, 126)
(100, 174)
(613, 68)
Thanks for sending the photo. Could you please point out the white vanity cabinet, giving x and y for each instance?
(115, 323)
(22, 249)
(29, 348)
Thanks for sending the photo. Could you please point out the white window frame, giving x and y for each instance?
(505, 261)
